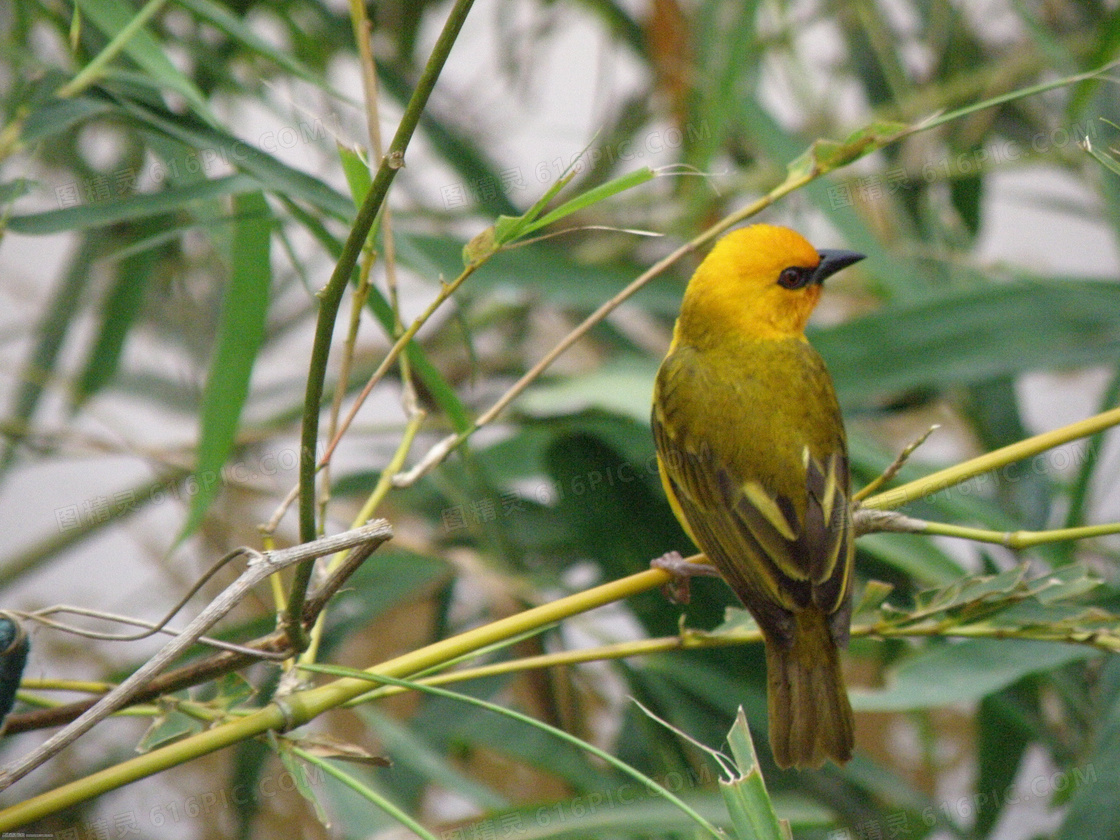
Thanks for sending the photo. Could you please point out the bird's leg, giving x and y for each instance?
(678, 590)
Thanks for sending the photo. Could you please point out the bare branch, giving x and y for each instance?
(259, 568)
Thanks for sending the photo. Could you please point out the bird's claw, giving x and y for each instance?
(679, 589)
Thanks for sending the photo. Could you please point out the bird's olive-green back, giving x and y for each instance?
(752, 445)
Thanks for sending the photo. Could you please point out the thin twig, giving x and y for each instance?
(1019, 540)
(274, 521)
(958, 473)
(331, 296)
(42, 617)
(870, 521)
(444, 447)
(260, 567)
(446, 291)
(274, 646)
(308, 704)
(896, 465)
(95, 70)
(380, 490)
(360, 23)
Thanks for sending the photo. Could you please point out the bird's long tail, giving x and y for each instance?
(810, 716)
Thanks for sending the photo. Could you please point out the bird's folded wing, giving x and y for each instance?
(755, 537)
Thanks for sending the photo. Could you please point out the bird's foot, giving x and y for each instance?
(678, 589)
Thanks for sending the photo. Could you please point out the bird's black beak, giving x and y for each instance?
(832, 260)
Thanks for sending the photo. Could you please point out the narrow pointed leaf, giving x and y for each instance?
(748, 801)
(111, 16)
(965, 672)
(240, 333)
(140, 206)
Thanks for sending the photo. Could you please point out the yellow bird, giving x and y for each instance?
(753, 458)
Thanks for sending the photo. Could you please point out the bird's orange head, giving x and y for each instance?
(758, 282)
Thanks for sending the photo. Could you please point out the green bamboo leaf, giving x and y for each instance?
(240, 333)
(172, 725)
(411, 749)
(824, 155)
(1109, 163)
(508, 225)
(973, 590)
(54, 116)
(236, 29)
(112, 17)
(1063, 584)
(16, 188)
(621, 811)
(967, 196)
(119, 312)
(972, 335)
(356, 170)
(915, 556)
(593, 196)
(132, 208)
(367, 792)
(49, 339)
(441, 391)
(1002, 738)
(965, 672)
(1011, 96)
(871, 599)
(1095, 779)
(289, 757)
(509, 228)
(617, 811)
(560, 735)
(217, 145)
(748, 801)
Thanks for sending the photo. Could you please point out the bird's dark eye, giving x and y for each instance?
(794, 278)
